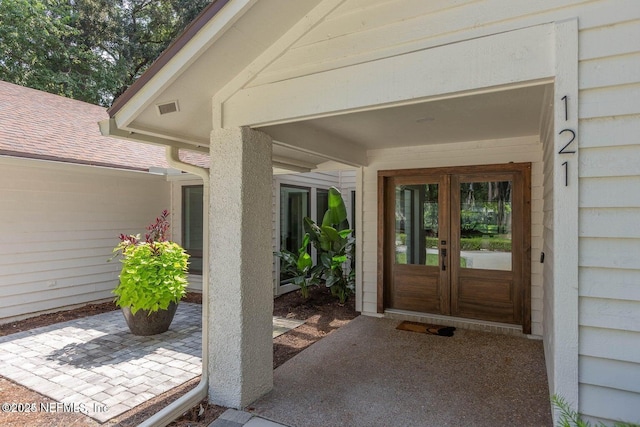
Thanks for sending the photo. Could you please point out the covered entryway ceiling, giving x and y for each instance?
(476, 117)
(505, 113)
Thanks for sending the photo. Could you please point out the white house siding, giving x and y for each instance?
(346, 186)
(358, 31)
(517, 150)
(609, 252)
(59, 224)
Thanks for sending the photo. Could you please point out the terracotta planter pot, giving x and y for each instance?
(144, 324)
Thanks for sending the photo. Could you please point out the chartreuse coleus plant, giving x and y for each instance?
(154, 270)
(335, 246)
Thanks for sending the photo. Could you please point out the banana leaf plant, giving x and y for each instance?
(335, 246)
(298, 267)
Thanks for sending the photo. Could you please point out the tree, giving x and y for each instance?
(131, 34)
(91, 50)
(39, 49)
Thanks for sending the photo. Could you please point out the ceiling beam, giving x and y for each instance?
(307, 139)
(486, 62)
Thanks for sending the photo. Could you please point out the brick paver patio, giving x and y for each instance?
(96, 365)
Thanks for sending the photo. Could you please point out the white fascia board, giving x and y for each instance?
(110, 128)
(195, 47)
(486, 62)
(163, 136)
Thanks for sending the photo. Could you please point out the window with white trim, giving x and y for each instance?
(192, 204)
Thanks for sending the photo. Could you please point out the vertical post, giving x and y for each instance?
(240, 283)
(564, 380)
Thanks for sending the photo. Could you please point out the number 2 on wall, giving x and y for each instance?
(573, 137)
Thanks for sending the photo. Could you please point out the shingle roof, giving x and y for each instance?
(41, 125)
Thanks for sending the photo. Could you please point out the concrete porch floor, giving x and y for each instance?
(370, 374)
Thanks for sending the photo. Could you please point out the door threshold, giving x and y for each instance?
(458, 322)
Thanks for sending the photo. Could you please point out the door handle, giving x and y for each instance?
(443, 253)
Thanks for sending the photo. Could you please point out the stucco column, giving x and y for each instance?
(240, 282)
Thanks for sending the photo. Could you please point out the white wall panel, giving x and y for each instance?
(610, 283)
(610, 404)
(609, 313)
(610, 131)
(608, 373)
(59, 224)
(611, 344)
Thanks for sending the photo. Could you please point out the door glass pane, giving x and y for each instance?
(294, 206)
(485, 225)
(192, 203)
(417, 224)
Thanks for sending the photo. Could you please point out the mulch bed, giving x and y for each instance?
(321, 311)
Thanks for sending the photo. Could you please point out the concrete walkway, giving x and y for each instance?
(367, 373)
(282, 325)
(234, 418)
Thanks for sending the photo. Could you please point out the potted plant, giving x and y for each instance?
(152, 280)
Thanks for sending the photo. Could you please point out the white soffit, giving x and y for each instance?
(493, 115)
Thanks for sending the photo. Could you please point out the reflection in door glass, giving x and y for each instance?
(417, 224)
(485, 225)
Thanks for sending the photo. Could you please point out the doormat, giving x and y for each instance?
(425, 328)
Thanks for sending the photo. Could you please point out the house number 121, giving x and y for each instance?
(566, 149)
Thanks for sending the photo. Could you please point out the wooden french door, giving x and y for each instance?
(456, 241)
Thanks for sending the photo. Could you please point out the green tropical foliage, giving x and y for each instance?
(335, 245)
(298, 267)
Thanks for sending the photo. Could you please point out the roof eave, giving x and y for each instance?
(176, 46)
(110, 128)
